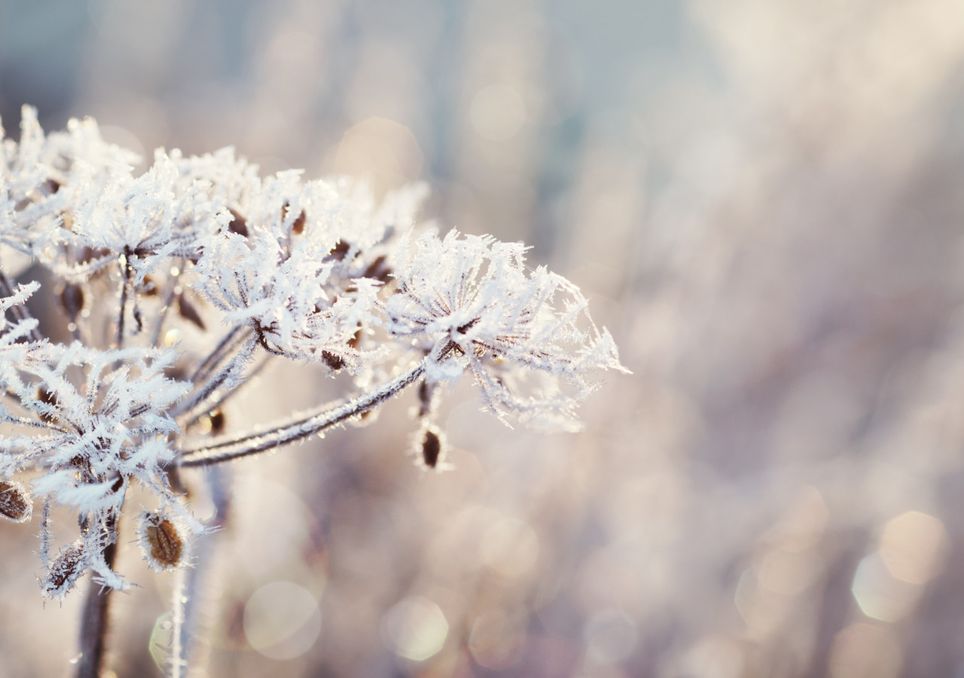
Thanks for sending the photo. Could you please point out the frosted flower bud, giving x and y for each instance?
(161, 541)
(15, 502)
(64, 571)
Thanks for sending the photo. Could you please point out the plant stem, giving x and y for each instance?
(227, 377)
(226, 345)
(94, 621)
(121, 316)
(308, 424)
(197, 587)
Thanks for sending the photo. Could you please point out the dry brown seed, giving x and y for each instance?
(356, 338)
(162, 543)
(340, 250)
(298, 227)
(238, 224)
(64, 571)
(189, 312)
(72, 299)
(431, 447)
(15, 503)
(149, 287)
(334, 362)
(216, 417)
(378, 269)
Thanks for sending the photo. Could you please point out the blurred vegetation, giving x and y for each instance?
(763, 202)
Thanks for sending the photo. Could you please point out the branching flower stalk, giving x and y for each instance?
(245, 270)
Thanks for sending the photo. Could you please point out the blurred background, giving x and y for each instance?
(763, 202)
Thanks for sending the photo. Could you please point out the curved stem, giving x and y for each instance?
(95, 620)
(197, 586)
(308, 424)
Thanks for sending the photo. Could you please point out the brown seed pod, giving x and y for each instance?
(161, 541)
(238, 224)
(64, 571)
(189, 312)
(15, 502)
(298, 227)
(426, 398)
(217, 420)
(339, 251)
(378, 269)
(333, 361)
(72, 300)
(149, 287)
(430, 447)
(356, 339)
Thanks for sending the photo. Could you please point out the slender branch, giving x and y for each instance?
(121, 316)
(228, 393)
(226, 345)
(19, 311)
(166, 304)
(196, 587)
(308, 424)
(177, 662)
(94, 619)
(227, 377)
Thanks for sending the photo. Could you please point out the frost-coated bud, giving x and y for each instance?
(64, 571)
(161, 541)
(15, 502)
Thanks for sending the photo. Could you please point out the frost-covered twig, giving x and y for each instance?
(95, 620)
(307, 424)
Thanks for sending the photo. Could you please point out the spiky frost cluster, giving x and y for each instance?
(276, 266)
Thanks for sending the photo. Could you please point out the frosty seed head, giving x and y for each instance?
(161, 541)
(64, 571)
(15, 502)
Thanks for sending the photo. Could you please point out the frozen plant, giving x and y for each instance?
(261, 268)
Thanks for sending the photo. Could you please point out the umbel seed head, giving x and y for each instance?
(161, 542)
(15, 502)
